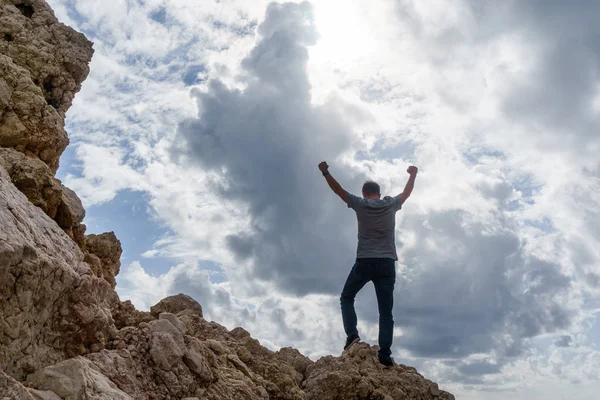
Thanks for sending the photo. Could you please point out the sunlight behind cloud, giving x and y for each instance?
(344, 33)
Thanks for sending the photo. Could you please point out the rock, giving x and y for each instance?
(52, 306)
(37, 182)
(294, 358)
(433, 389)
(34, 179)
(103, 253)
(70, 211)
(176, 304)
(344, 378)
(43, 395)
(174, 321)
(77, 378)
(198, 360)
(125, 314)
(11, 389)
(41, 68)
(167, 345)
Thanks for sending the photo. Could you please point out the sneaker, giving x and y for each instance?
(386, 360)
(350, 340)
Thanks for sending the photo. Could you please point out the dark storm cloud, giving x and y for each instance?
(267, 140)
(559, 92)
(472, 287)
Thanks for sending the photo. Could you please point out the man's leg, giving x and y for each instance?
(384, 288)
(357, 278)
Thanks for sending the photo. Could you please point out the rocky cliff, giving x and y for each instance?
(64, 333)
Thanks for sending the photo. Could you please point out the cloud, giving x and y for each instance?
(266, 141)
(276, 320)
(563, 341)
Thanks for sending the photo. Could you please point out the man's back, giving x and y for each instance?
(376, 256)
(376, 225)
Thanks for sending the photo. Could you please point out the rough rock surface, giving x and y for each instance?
(51, 304)
(42, 66)
(175, 304)
(103, 253)
(185, 356)
(34, 179)
(64, 333)
(358, 374)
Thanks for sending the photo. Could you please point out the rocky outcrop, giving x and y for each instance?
(358, 374)
(64, 333)
(52, 306)
(185, 356)
(103, 254)
(34, 179)
(42, 65)
(175, 304)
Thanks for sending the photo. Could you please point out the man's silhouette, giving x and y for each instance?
(375, 256)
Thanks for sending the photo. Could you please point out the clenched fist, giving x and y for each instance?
(323, 166)
(412, 170)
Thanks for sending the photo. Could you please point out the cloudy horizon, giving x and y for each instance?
(197, 135)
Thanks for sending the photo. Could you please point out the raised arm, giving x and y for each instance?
(412, 170)
(333, 184)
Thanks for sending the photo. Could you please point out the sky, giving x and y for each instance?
(197, 135)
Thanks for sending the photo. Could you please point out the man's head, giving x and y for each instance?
(370, 190)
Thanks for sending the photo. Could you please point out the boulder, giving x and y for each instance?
(103, 253)
(176, 304)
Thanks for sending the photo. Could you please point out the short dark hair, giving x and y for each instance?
(370, 188)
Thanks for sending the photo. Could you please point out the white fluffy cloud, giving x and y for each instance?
(499, 276)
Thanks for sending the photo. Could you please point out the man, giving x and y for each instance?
(375, 256)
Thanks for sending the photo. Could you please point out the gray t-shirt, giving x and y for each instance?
(376, 225)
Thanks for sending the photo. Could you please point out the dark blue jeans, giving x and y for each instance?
(382, 271)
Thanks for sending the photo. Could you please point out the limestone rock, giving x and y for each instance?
(42, 65)
(158, 361)
(176, 304)
(51, 305)
(357, 374)
(70, 213)
(77, 378)
(103, 253)
(34, 179)
(11, 389)
(294, 358)
(125, 314)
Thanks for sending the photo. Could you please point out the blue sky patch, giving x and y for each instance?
(159, 15)
(127, 215)
(191, 75)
